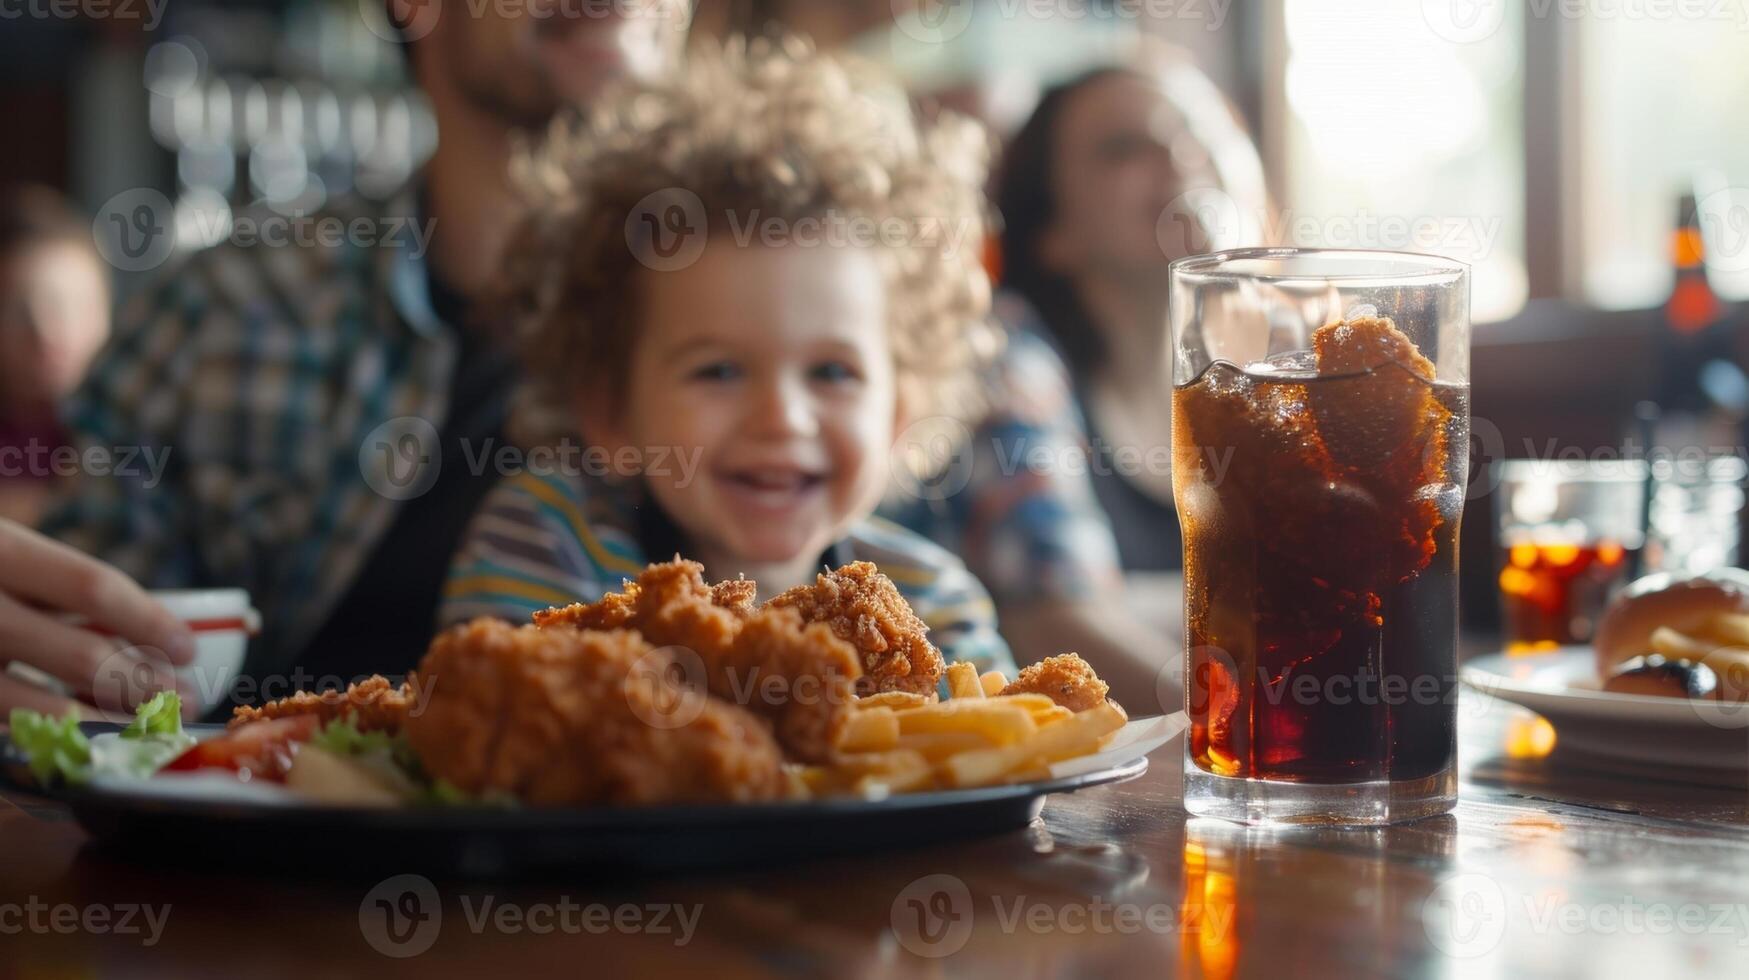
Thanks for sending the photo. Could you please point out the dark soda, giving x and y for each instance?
(1320, 515)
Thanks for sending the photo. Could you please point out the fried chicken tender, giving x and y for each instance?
(372, 704)
(739, 596)
(655, 587)
(616, 610)
(863, 607)
(1066, 679)
(799, 677)
(573, 717)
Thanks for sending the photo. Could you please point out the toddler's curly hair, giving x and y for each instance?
(753, 130)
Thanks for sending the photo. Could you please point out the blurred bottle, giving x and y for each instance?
(1694, 492)
(1702, 395)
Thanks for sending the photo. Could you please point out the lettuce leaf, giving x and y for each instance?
(162, 715)
(342, 737)
(147, 745)
(55, 747)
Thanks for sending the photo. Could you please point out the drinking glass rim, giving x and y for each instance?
(1421, 267)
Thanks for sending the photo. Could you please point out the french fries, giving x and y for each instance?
(1075, 736)
(1002, 723)
(893, 699)
(1041, 707)
(962, 681)
(870, 731)
(1055, 712)
(897, 742)
(993, 683)
(894, 760)
(937, 746)
(876, 774)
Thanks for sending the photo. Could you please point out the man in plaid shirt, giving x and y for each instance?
(315, 401)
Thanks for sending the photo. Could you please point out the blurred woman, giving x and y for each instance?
(54, 316)
(1117, 173)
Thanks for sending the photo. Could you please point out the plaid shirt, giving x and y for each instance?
(263, 372)
(551, 539)
(1027, 531)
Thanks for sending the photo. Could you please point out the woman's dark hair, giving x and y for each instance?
(1026, 187)
(1026, 198)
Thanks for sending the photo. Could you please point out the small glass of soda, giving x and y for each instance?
(1569, 533)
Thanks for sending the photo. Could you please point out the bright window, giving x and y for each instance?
(1662, 104)
(1399, 137)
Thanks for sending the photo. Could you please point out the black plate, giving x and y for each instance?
(492, 841)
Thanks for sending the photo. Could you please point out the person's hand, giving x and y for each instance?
(43, 584)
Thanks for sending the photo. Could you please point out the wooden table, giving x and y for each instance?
(1546, 868)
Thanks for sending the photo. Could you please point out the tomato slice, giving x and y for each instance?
(259, 750)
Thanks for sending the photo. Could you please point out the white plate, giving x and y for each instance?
(1562, 686)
